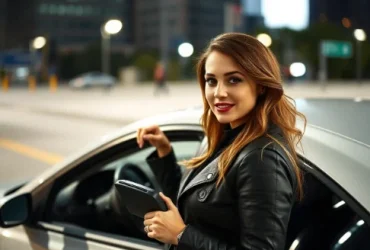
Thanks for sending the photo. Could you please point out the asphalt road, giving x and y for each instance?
(31, 142)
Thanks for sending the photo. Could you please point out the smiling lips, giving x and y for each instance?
(223, 107)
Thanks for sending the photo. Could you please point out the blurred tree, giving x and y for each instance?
(191, 67)
(365, 59)
(2, 73)
(174, 70)
(145, 62)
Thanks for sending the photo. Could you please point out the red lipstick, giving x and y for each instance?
(223, 107)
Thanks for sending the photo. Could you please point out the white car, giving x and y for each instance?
(73, 204)
(93, 79)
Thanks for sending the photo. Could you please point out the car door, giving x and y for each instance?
(47, 236)
(58, 224)
(328, 217)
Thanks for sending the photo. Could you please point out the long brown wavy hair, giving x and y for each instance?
(261, 66)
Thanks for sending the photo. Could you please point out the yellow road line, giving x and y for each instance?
(31, 152)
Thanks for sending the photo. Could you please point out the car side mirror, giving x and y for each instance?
(15, 211)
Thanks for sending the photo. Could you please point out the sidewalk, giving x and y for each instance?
(125, 104)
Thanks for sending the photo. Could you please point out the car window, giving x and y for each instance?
(183, 150)
(322, 220)
(87, 199)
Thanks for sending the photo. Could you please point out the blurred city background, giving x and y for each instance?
(53, 51)
(312, 39)
(74, 73)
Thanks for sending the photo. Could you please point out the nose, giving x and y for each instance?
(221, 90)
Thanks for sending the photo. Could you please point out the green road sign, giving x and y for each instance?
(336, 49)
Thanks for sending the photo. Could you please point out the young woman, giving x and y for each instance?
(239, 191)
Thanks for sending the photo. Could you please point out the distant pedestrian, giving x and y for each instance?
(160, 79)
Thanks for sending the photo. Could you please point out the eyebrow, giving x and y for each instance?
(226, 74)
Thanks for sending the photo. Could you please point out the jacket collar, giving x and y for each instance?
(210, 172)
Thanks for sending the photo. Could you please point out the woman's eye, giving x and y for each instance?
(235, 80)
(210, 81)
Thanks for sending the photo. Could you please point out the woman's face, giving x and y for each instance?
(229, 93)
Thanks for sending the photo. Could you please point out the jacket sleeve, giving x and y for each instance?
(265, 193)
(167, 172)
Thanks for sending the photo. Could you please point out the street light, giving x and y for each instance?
(297, 69)
(360, 36)
(265, 39)
(38, 43)
(111, 27)
(185, 50)
(35, 44)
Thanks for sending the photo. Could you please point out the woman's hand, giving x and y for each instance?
(155, 137)
(164, 226)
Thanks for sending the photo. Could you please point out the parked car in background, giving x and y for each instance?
(73, 205)
(93, 79)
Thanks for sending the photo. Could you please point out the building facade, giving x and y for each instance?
(76, 23)
(252, 15)
(73, 24)
(16, 29)
(2, 23)
(187, 21)
(69, 24)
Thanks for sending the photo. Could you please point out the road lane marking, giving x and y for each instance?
(31, 152)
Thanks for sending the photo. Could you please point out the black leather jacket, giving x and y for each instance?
(249, 210)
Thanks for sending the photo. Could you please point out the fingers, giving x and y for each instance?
(150, 227)
(149, 215)
(152, 129)
(149, 222)
(141, 132)
(152, 234)
(138, 137)
(152, 218)
(168, 201)
(150, 137)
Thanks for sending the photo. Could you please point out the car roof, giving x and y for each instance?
(90, 73)
(348, 117)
